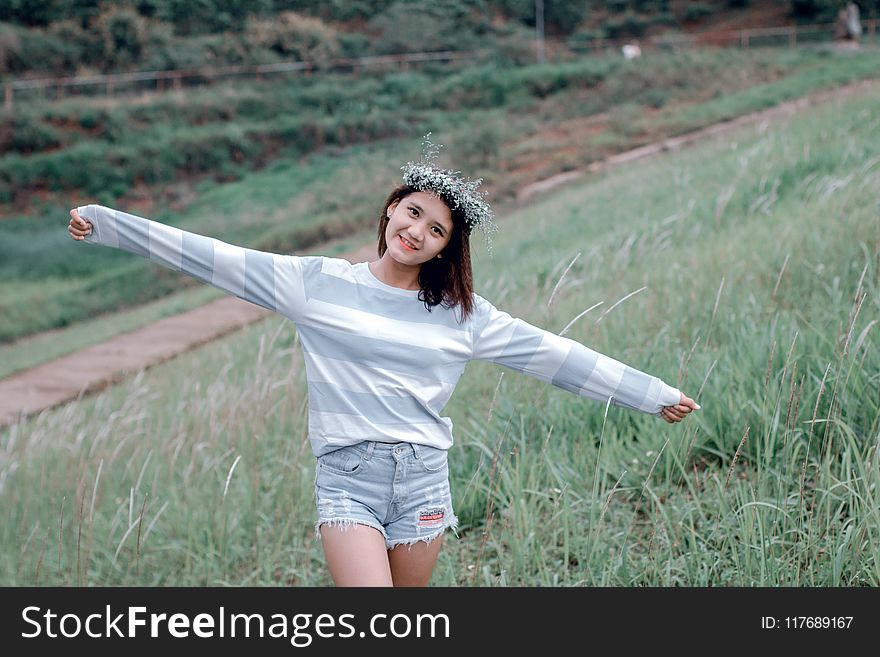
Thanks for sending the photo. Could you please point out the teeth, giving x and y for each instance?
(407, 243)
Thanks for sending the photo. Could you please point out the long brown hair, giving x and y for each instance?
(446, 280)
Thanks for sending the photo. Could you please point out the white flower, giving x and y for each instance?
(425, 175)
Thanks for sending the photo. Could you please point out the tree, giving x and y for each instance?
(30, 12)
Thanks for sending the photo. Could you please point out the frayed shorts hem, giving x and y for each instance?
(409, 542)
(346, 523)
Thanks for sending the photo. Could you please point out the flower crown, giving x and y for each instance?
(426, 175)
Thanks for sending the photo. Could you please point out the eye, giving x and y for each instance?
(439, 232)
(415, 211)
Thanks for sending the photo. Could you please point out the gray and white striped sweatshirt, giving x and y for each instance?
(379, 365)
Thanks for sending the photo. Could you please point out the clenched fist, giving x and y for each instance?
(78, 227)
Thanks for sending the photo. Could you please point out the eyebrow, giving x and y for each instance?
(419, 208)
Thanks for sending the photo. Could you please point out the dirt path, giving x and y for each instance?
(94, 368)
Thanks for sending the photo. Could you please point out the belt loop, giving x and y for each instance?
(371, 445)
(415, 449)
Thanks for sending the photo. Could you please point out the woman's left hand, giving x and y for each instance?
(680, 410)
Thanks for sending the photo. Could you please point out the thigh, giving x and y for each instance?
(412, 565)
(356, 555)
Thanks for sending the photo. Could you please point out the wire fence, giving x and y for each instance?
(57, 88)
(785, 36)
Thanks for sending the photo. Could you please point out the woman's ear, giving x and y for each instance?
(391, 208)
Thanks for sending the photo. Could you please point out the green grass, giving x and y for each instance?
(55, 283)
(757, 254)
(42, 347)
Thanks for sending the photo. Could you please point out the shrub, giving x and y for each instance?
(41, 51)
(650, 6)
(584, 39)
(424, 25)
(627, 24)
(353, 44)
(696, 11)
(9, 46)
(514, 45)
(122, 35)
(29, 135)
(295, 36)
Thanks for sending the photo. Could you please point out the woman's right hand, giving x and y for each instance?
(78, 227)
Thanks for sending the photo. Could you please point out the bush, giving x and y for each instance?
(122, 35)
(159, 46)
(651, 6)
(41, 51)
(81, 46)
(424, 25)
(697, 10)
(518, 10)
(566, 16)
(191, 17)
(353, 44)
(293, 35)
(627, 24)
(664, 18)
(345, 10)
(28, 135)
(584, 39)
(9, 46)
(617, 6)
(515, 45)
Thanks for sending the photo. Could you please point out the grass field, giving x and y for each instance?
(744, 271)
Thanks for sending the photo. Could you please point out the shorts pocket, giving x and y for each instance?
(432, 458)
(343, 461)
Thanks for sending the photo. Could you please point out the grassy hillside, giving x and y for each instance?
(261, 166)
(752, 265)
(47, 38)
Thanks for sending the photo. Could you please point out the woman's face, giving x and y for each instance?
(420, 227)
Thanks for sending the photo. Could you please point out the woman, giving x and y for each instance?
(384, 344)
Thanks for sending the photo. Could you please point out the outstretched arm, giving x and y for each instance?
(266, 279)
(565, 363)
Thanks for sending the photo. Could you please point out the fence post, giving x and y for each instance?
(792, 37)
(7, 95)
(744, 39)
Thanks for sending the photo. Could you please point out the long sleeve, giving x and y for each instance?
(266, 279)
(565, 363)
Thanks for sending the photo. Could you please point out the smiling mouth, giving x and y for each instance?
(406, 245)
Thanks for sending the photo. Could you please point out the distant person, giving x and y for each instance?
(385, 343)
(848, 26)
(853, 23)
(631, 51)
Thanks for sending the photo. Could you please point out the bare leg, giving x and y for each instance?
(356, 555)
(413, 565)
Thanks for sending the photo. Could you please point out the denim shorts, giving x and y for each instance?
(401, 489)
